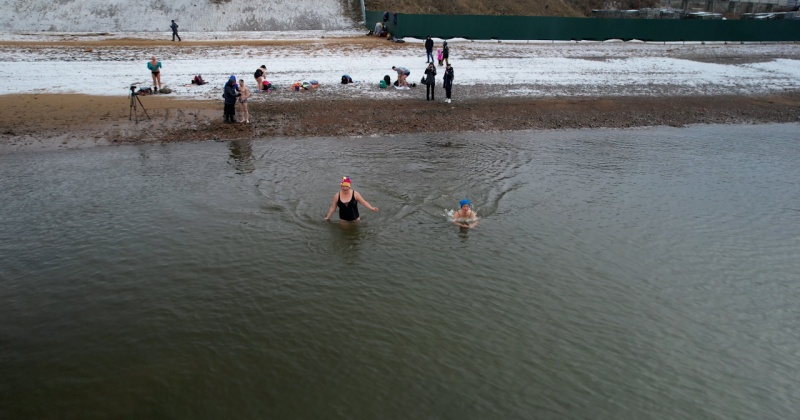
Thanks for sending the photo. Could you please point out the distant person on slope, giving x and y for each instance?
(174, 27)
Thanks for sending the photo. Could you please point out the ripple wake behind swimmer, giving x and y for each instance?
(412, 180)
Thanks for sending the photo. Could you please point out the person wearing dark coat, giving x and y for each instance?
(429, 49)
(446, 52)
(174, 27)
(430, 81)
(231, 92)
(449, 75)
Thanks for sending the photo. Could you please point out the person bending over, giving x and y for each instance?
(402, 75)
(259, 75)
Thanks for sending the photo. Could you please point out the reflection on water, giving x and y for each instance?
(242, 155)
(347, 238)
(647, 272)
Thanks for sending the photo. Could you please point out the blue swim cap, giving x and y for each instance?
(462, 202)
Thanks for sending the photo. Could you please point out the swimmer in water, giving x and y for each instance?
(465, 217)
(346, 199)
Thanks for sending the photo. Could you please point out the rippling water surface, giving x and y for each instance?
(639, 274)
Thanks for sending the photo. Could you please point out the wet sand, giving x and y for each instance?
(74, 121)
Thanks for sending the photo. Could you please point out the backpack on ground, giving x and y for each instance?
(387, 79)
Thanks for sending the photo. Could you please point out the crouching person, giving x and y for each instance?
(230, 94)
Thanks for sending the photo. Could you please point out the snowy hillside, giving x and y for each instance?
(191, 15)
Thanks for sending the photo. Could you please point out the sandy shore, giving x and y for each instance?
(76, 121)
(44, 120)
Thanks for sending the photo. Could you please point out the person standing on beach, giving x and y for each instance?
(230, 94)
(155, 70)
(430, 82)
(244, 93)
(259, 75)
(174, 27)
(347, 200)
(446, 52)
(429, 49)
(449, 75)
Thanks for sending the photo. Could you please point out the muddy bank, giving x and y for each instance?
(75, 121)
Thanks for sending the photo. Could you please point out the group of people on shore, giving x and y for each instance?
(429, 78)
(347, 200)
(234, 92)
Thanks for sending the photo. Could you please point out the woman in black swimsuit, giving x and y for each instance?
(346, 199)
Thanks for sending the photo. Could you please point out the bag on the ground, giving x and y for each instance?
(423, 80)
(382, 84)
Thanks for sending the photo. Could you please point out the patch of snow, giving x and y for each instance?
(518, 69)
(155, 15)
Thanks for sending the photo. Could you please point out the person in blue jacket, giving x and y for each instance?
(155, 70)
(230, 93)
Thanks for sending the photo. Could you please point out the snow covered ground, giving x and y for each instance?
(155, 15)
(531, 69)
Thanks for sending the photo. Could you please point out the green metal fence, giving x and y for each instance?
(565, 29)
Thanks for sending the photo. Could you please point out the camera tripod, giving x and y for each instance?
(134, 111)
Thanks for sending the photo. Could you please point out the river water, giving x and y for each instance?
(643, 274)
